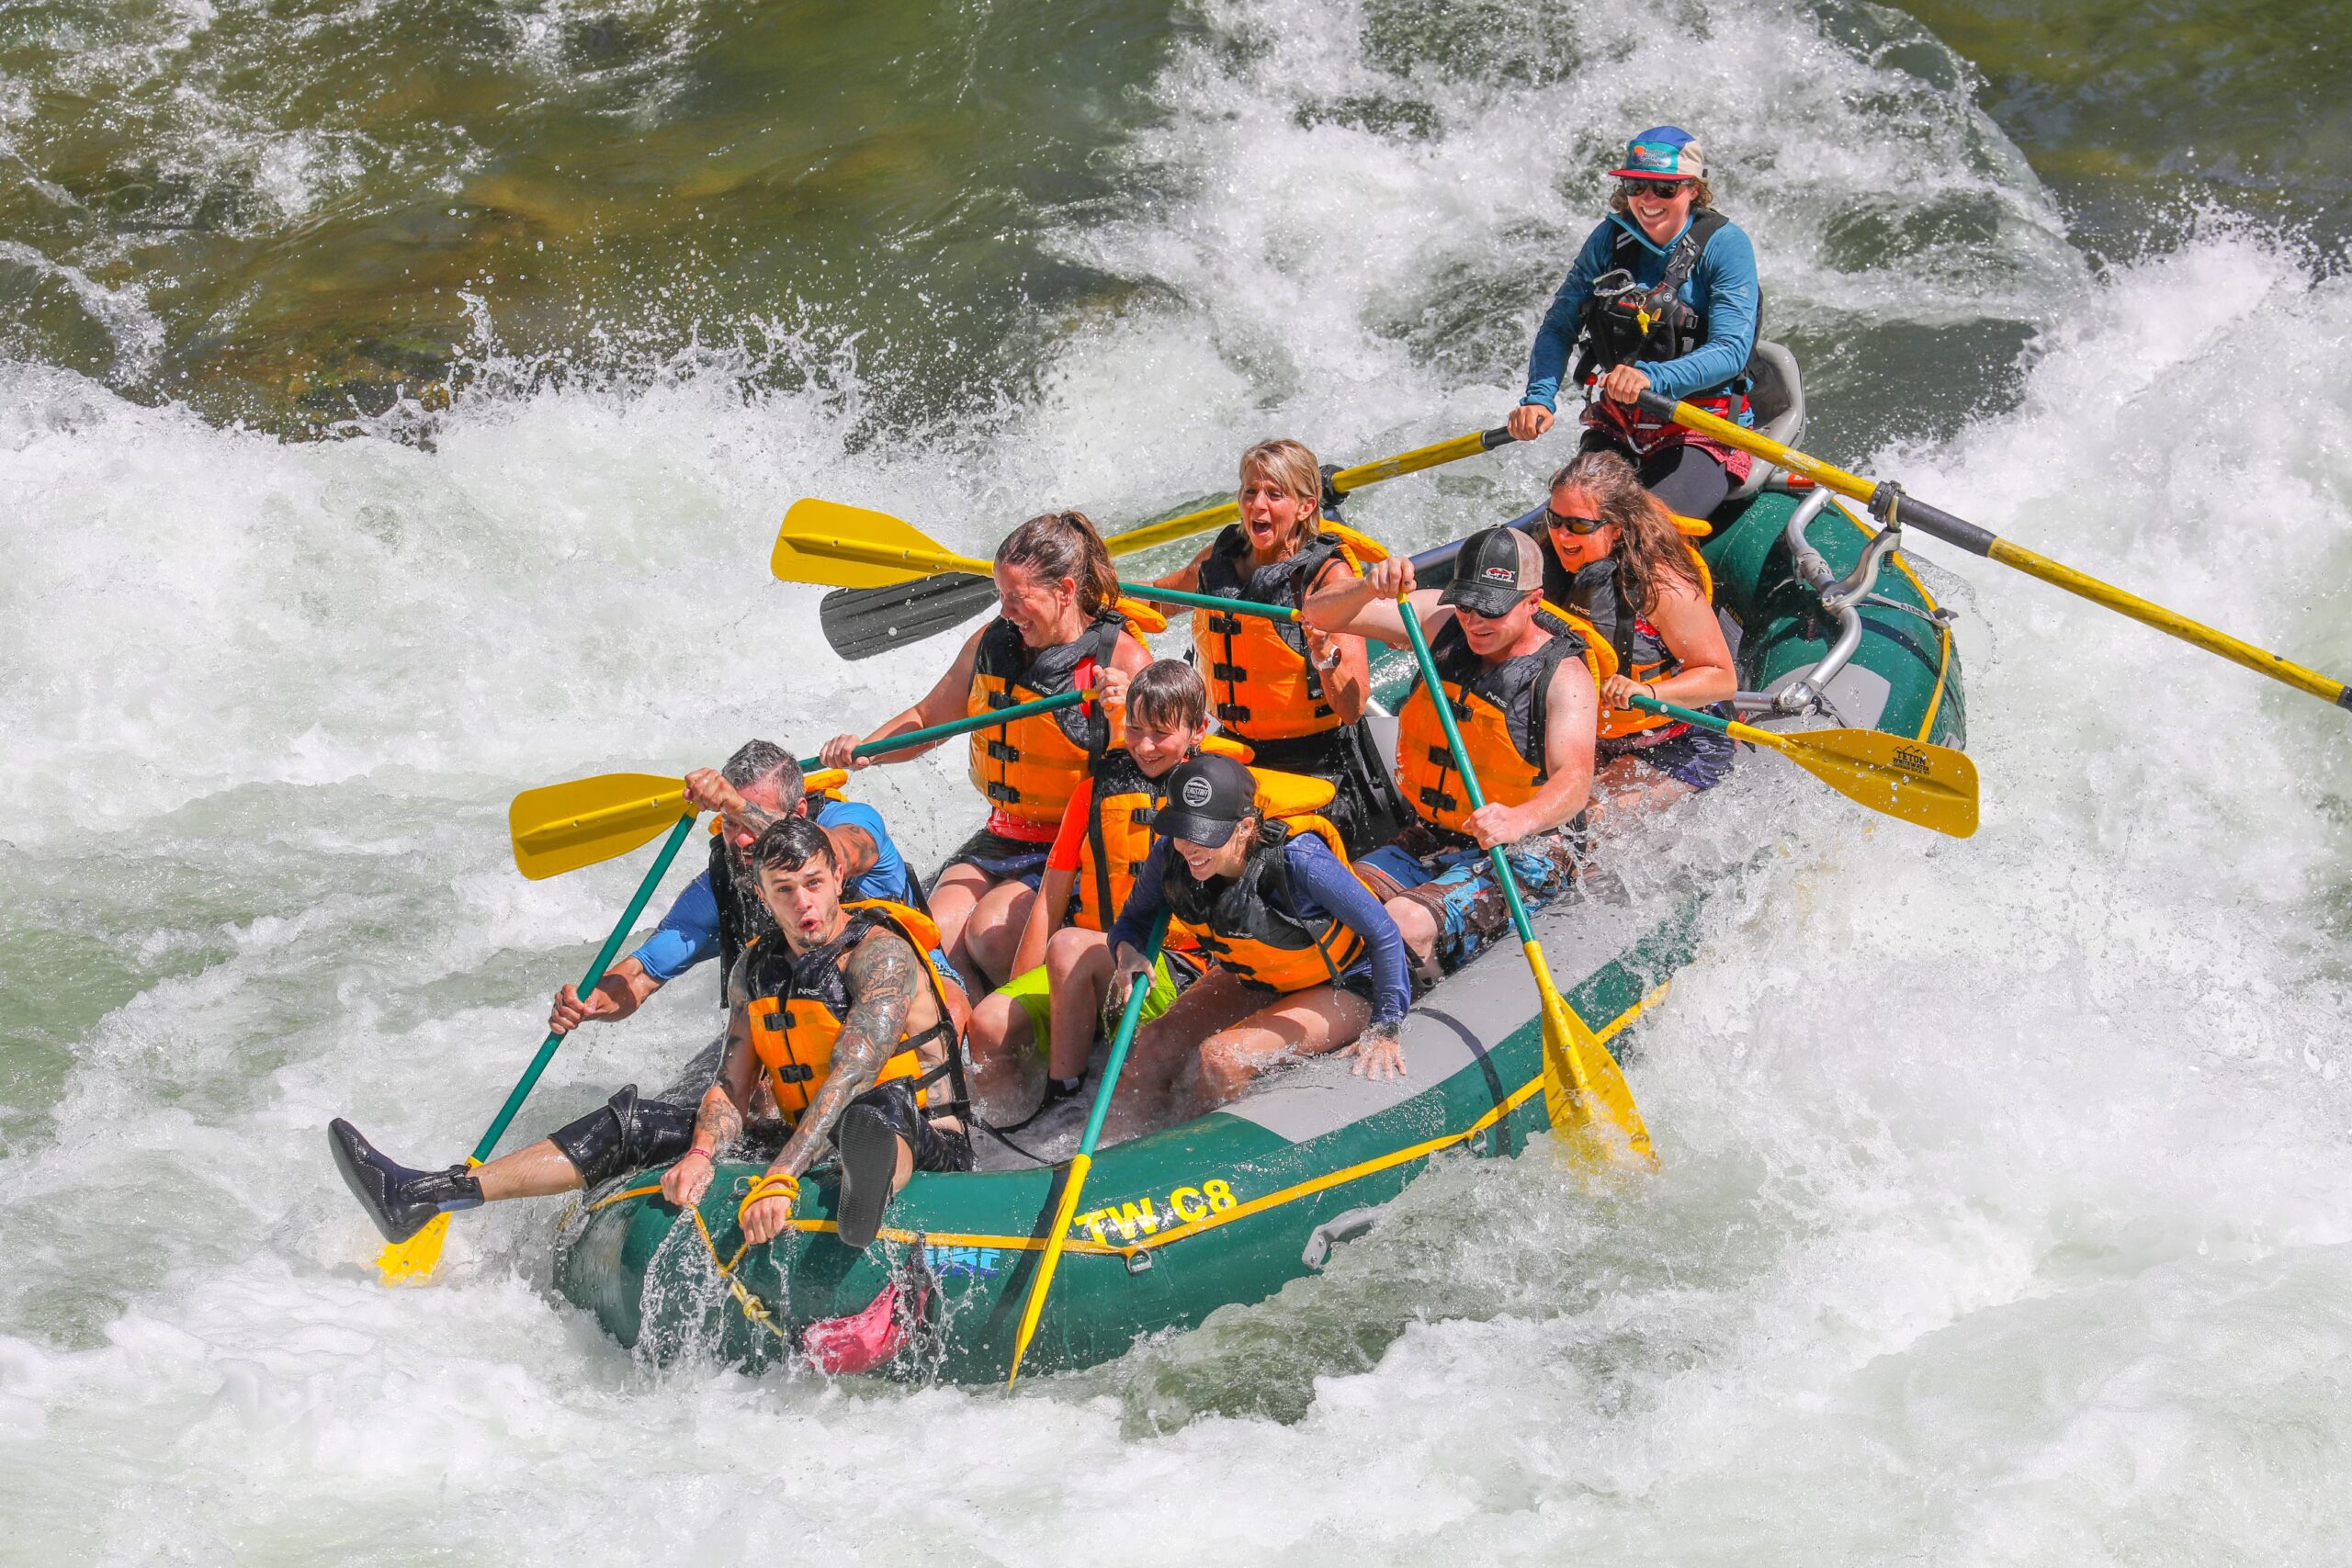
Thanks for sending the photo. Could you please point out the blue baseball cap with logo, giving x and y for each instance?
(1662, 152)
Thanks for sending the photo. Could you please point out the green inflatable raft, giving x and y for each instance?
(1227, 1208)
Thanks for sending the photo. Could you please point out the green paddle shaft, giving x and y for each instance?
(1406, 613)
(956, 727)
(1130, 1019)
(604, 956)
(1687, 715)
(1205, 601)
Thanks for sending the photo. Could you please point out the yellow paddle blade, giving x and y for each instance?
(812, 524)
(412, 1262)
(1932, 785)
(1035, 1308)
(564, 826)
(1591, 1104)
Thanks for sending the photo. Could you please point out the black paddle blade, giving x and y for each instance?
(863, 622)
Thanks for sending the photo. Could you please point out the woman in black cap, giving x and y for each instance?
(1303, 958)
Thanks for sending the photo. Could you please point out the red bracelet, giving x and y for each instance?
(697, 1149)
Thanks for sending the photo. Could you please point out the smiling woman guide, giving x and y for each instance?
(1663, 299)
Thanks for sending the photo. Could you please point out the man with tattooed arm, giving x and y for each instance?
(843, 1013)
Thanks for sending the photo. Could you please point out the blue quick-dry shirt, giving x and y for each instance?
(1325, 890)
(1723, 288)
(689, 932)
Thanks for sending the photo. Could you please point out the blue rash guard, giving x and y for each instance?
(689, 932)
(1723, 288)
(1325, 890)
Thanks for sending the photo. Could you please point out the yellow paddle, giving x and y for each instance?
(1887, 501)
(1585, 1092)
(839, 558)
(891, 611)
(1082, 1162)
(1932, 785)
(563, 827)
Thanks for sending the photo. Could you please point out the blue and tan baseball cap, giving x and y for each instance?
(1662, 152)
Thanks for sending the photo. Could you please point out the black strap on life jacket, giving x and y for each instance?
(1115, 772)
(1285, 582)
(785, 975)
(1612, 324)
(743, 915)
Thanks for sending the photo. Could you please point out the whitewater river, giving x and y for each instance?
(398, 398)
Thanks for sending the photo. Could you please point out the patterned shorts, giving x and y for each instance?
(1458, 887)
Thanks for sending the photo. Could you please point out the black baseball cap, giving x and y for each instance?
(1207, 799)
(1495, 571)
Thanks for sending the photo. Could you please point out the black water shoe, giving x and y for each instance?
(399, 1200)
(868, 1143)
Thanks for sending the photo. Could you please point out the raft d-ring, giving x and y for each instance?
(742, 1185)
(1138, 1261)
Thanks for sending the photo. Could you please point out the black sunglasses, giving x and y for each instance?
(1580, 526)
(1666, 188)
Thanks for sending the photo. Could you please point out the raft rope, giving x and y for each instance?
(757, 1311)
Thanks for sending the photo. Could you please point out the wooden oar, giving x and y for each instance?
(862, 622)
(821, 544)
(1084, 1161)
(1584, 1091)
(412, 1262)
(1888, 501)
(563, 827)
(1932, 785)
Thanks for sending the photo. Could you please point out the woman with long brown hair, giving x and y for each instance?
(1058, 628)
(1293, 694)
(1613, 554)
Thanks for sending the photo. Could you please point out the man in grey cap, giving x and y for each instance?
(1524, 697)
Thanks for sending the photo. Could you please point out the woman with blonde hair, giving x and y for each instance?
(1057, 627)
(1613, 554)
(1294, 695)
(1663, 297)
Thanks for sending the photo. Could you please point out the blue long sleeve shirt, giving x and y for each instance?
(1723, 288)
(689, 933)
(1325, 890)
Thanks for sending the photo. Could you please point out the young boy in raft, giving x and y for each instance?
(1159, 719)
(1303, 959)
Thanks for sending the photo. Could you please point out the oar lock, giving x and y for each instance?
(1808, 693)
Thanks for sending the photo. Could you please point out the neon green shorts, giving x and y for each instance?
(1167, 982)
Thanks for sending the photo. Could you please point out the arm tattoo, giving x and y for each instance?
(757, 818)
(856, 848)
(884, 976)
(722, 1112)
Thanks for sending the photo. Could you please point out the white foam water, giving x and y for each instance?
(2007, 1192)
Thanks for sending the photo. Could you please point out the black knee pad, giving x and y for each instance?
(623, 1134)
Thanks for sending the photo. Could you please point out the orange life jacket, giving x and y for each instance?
(1642, 653)
(1500, 713)
(1246, 924)
(799, 1000)
(1262, 686)
(1029, 768)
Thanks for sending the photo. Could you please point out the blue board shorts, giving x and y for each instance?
(1458, 885)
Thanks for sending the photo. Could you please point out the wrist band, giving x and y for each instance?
(696, 1150)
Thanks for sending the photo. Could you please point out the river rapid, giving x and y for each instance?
(2005, 1209)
